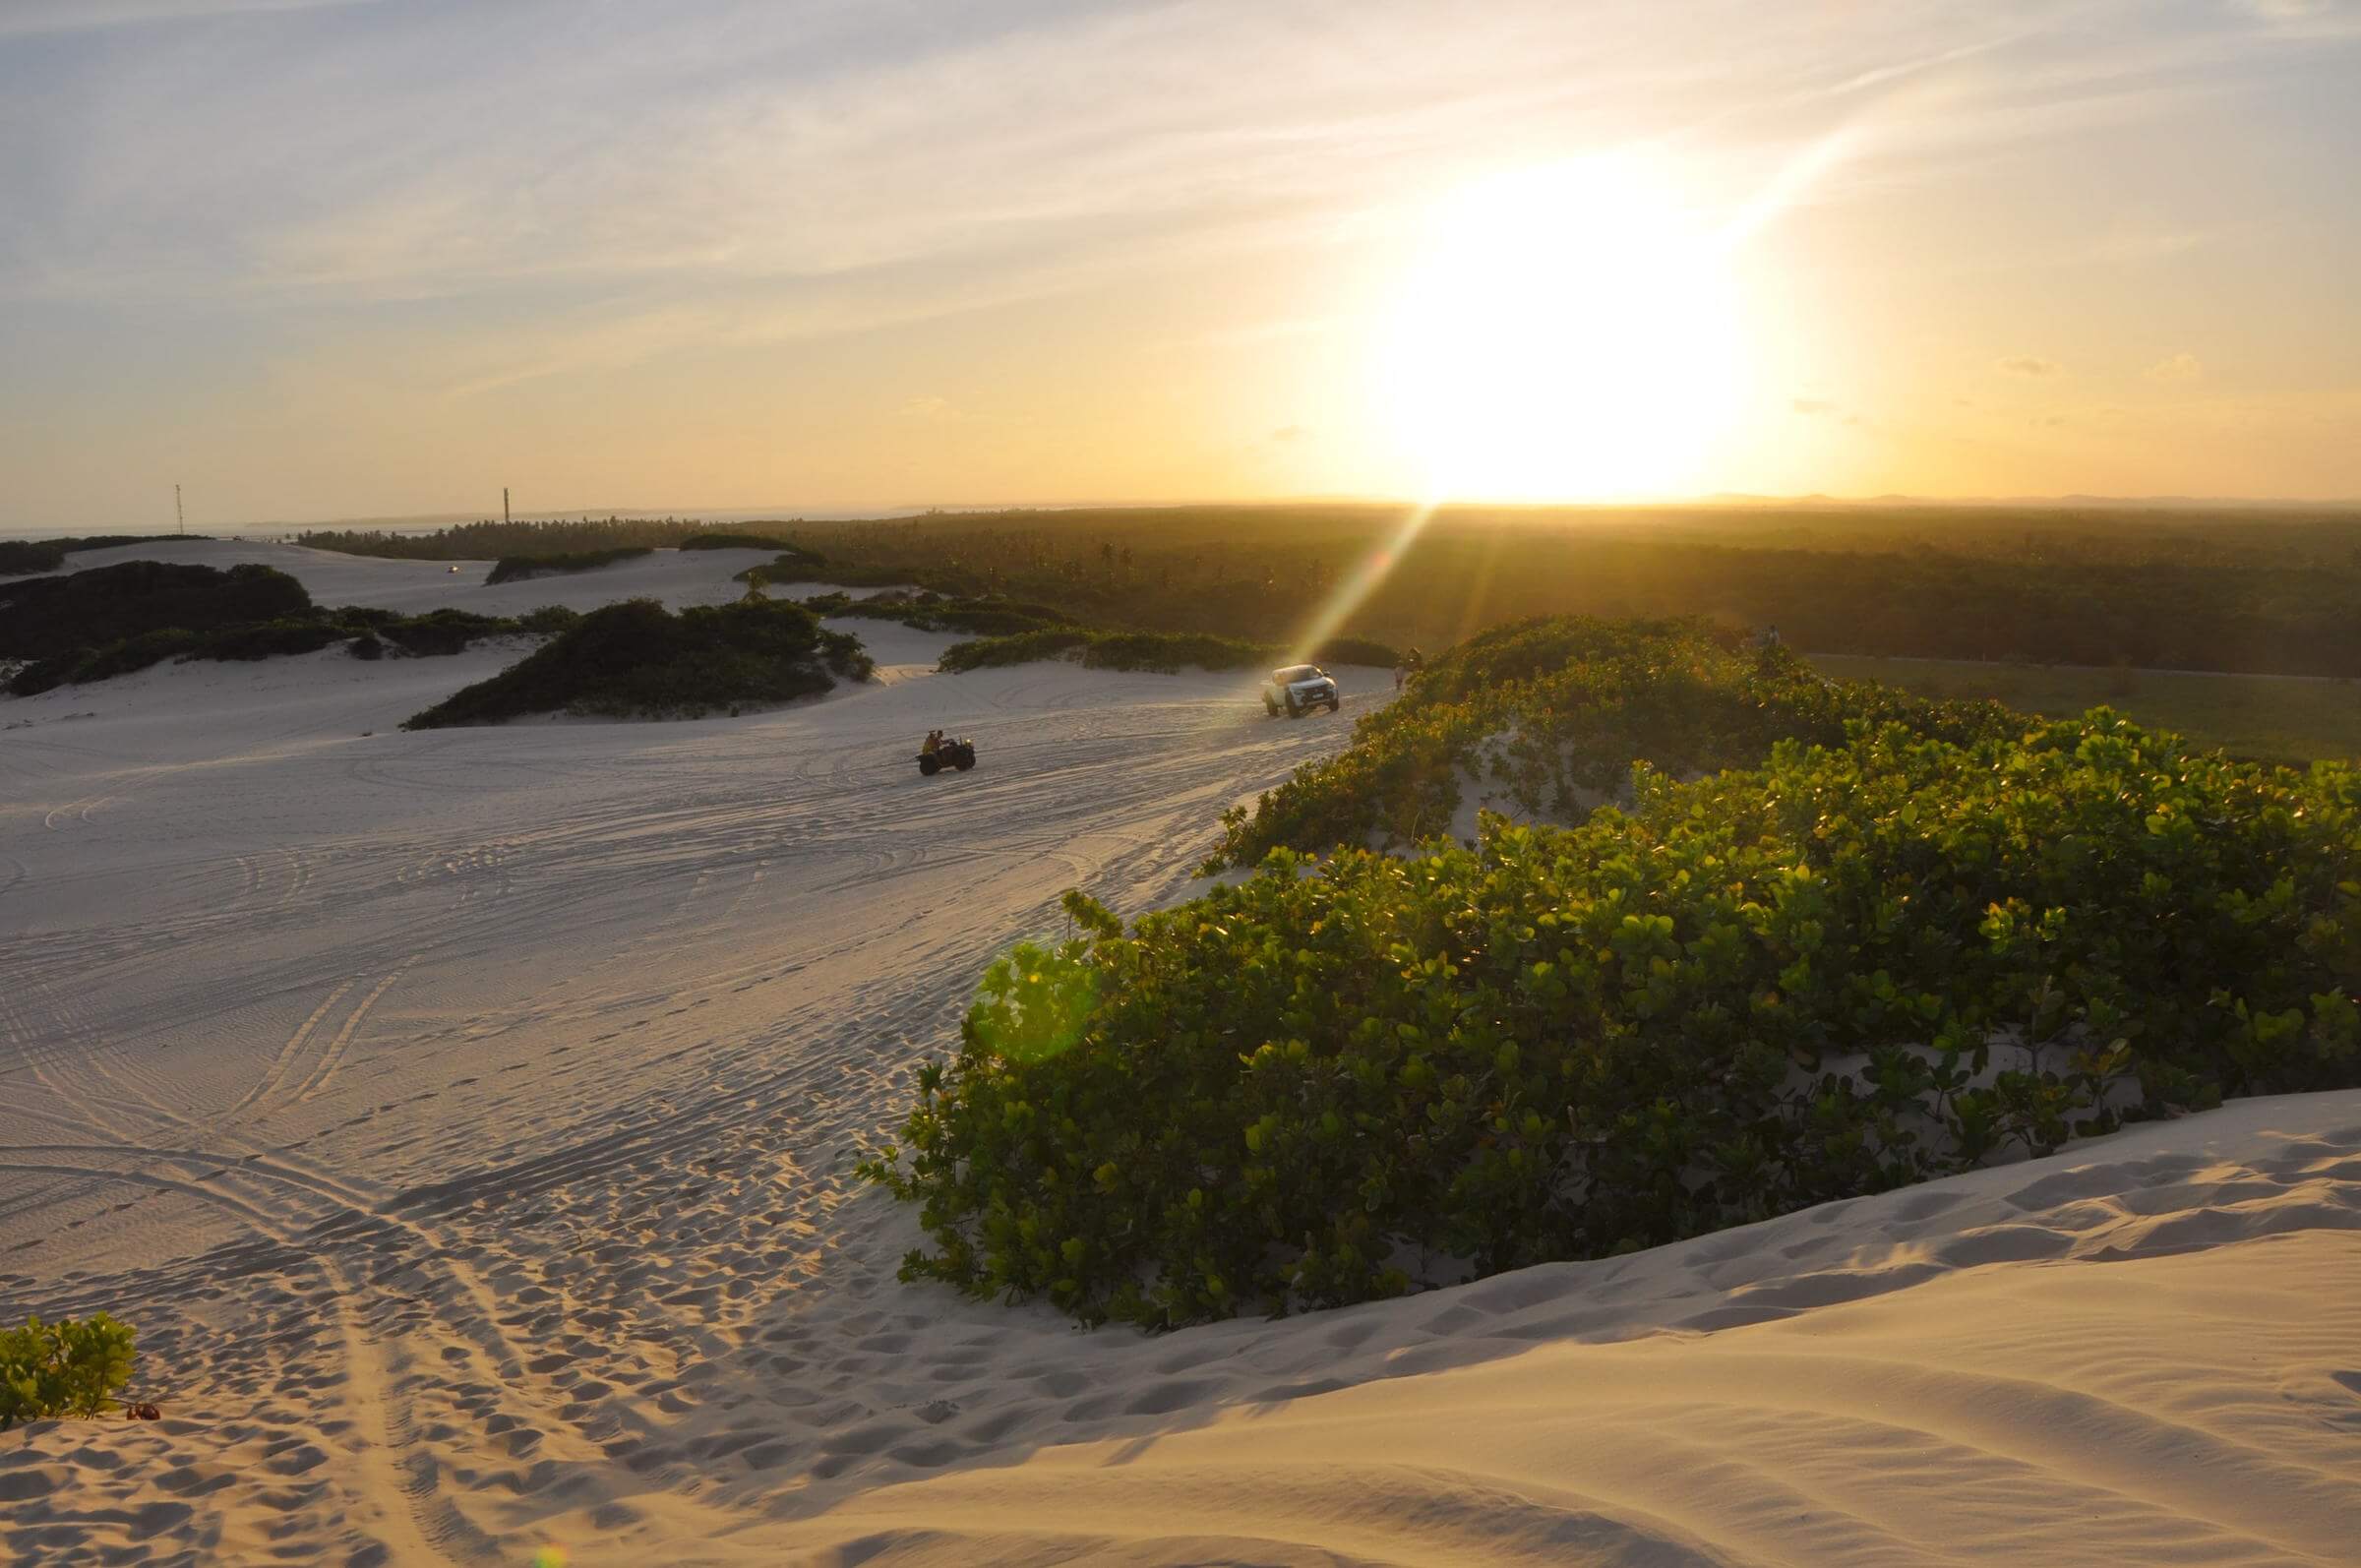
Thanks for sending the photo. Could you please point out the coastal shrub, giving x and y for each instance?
(489, 540)
(1160, 651)
(48, 554)
(67, 1367)
(43, 617)
(439, 631)
(259, 639)
(1857, 966)
(516, 569)
(30, 555)
(1357, 651)
(549, 620)
(1022, 647)
(741, 541)
(444, 632)
(639, 659)
(798, 565)
(1552, 713)
(934, 612)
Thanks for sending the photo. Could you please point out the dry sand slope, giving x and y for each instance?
(466, 1120)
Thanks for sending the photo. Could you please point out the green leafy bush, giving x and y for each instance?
(637, 658)
(62, 1368)
(516, 569)
(1552, 713)
(1857, 966)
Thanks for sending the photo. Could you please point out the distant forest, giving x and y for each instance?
(490, 541)
(2260, 591)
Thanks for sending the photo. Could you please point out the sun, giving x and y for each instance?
(1565, 332)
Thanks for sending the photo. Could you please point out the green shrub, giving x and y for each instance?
(367, 647)
(798, 565)
(934, 612)
(1855, 967)
(62, 1368)
(549, 620)
(1024, 647)
(1357, 651)
(516, 569)
(44, 617)
(48, 554)
(30, 555)
(740, 541)
(1160, 651)
(637, 658)
(1554, 713)
(444, 632)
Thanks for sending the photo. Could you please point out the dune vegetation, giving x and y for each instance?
(112, 621)
(489, 540)
(516, 569)
(640, 660)
(70, 1368)
(2243, 589)
(1908, 937)
(722, 539)
(1550, 714)
(48, 554)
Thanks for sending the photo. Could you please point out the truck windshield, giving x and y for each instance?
(1296, 672)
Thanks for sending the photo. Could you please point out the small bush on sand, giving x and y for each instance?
(932, 612)
(1160, 651)
(62, 1368)
(741, 541)
(1053, 635)
(516, 569)
(549, 620)
(638, 659)
(443, 632)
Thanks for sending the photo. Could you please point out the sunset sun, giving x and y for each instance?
(1565, 332)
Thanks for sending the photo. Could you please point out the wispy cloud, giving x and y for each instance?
(2182, 367)
(1812, 405)
(2029, 365)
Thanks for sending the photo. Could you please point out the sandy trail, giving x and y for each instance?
(466, 1122)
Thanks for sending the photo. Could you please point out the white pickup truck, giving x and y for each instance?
(1296, 688)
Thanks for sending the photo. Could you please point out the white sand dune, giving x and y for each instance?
(466, 1122)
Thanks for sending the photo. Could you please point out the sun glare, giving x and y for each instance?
(1566, 333)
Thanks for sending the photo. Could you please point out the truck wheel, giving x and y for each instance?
(1270, 709)
(1295, 709)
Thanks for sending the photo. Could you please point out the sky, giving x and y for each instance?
(380, 258)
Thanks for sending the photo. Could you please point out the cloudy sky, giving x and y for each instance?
(383, 257)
